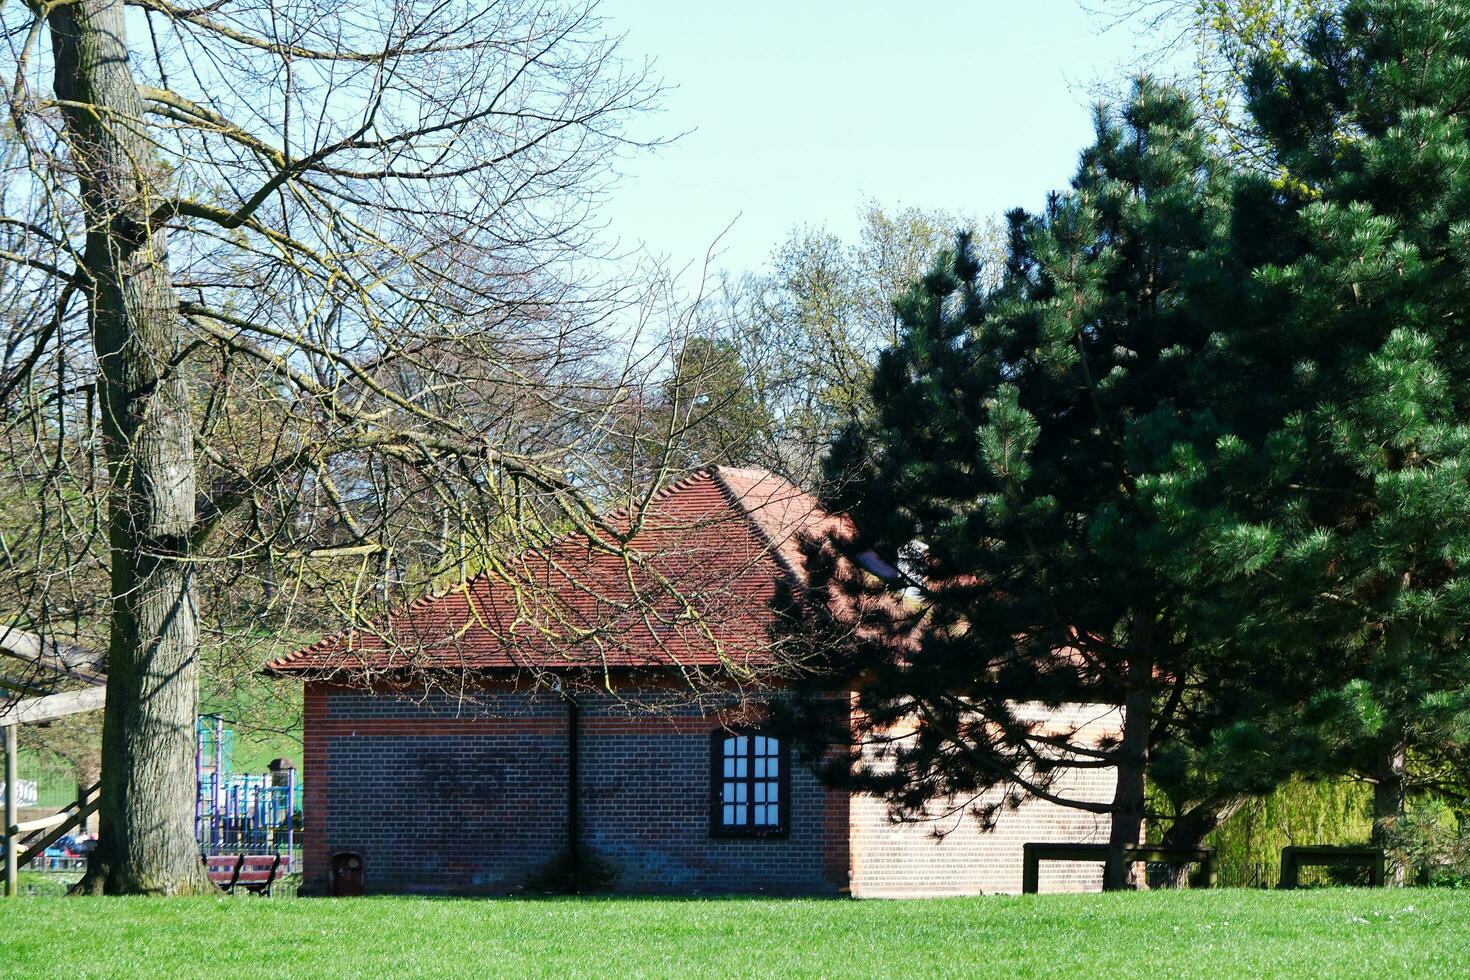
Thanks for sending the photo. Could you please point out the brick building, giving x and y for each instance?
(591, 714)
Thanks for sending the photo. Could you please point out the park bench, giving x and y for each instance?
(256, 873)
(1294, 858)
(1033, 854)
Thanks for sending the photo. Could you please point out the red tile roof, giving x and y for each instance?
(694, 587)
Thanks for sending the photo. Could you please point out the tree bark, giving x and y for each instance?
(1388, 802)
(146, 836)
(1128, 797)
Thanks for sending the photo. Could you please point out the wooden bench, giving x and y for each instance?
(256, 873)
(1033, 854)
(1296, 857)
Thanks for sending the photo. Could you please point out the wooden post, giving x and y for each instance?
(12, 787)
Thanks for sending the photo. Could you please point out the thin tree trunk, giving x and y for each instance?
(1128, 797)
(89, 770)
(1388, 802)
(146, 840)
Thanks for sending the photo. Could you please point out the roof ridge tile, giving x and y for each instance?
(760, 531)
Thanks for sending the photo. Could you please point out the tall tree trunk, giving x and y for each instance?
(146, 835)
(1388, 801)
(1191, 827)
(1128, 797)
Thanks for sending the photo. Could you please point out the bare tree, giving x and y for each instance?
(810, 326)
(302, 298)
(1211, 45)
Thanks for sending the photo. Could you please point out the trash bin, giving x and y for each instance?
(346, 874)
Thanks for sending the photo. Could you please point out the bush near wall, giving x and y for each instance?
(1433, 842)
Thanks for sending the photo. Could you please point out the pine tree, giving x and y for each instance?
(999, 478)
(1343, 526)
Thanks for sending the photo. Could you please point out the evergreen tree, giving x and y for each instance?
(999, 478)
(711, 413)
(1344, 526)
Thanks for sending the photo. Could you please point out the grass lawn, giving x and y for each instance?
(1327, 932)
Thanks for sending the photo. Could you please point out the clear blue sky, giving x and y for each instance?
(800, 110)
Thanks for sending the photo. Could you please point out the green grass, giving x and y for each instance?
(49, 884)
(1328, 932)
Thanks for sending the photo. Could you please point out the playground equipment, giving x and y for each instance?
(251, 815)
(32, 671)
(243, 813)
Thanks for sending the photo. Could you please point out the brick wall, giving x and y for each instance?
(909, 860)
(645, 811)
(444, 796)
(440, 796)
(434, 795)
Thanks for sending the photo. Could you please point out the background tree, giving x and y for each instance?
(713, 407)
(1209, 46)
(306, 297)
(809, 328)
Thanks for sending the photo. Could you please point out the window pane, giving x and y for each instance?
(740, 816)
(739, 792)
(760, 792)
(741, 744)
(740, 765)
(729, 795)
(729, 747)
(772, 814)
(760, 769)
(760, 816)
(773, 767)
(729, 815)
(729, 768)
(771, 792)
